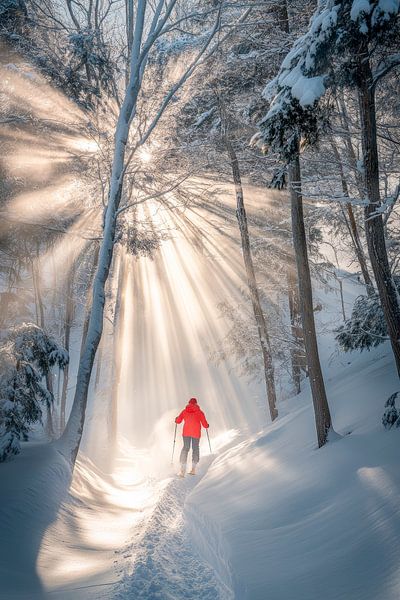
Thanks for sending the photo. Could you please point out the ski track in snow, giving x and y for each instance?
(166, 565)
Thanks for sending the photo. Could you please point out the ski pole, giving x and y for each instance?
(173, 447)
(208, 437)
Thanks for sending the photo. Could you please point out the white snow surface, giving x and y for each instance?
(305, 523)
(382, 11)
(269, 516)
(358, 7)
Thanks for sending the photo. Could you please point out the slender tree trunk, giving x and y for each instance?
(49, 408)
(89, 294)
(252, 284)
(348, 142)
(374, 227)
(72, 436)
(321, 409)
(99, 365)
(280, 12)
(69, 315)
(352, 226)
(129, 15)
(297, 352)
(119, 318)
(40, 319)
(359, 250)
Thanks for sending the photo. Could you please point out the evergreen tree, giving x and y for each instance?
(26, 357)
(351, 44)
(293, 119)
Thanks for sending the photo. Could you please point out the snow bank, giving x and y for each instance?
(33, 486)
(291, 521)
(59, 535)
(297, 522)
(165, 565)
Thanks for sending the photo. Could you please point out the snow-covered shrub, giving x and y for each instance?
(366, 327)
(391, 416)
(26, 357)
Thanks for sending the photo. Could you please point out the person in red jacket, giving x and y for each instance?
(193, 418)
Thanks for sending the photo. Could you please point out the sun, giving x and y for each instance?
(145, 155)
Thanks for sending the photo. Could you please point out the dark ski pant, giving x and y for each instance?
(186, 447)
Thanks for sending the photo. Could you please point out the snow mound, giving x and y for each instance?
(166, 564)
(297, 522)
(33, 486)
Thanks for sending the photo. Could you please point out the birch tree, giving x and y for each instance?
(150, 25)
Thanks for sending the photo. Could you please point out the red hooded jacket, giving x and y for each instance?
(194, 418)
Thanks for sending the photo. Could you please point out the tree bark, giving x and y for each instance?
(40, 319)
(352, 226)
(280, 12)
(69, 315)
(351, 155)
(323, 420)
(252, 284)
(374, 227)
(119, 317)
(89, 295)
(297, 352)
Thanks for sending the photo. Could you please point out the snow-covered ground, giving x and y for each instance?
(99, 536)
(268, 517)
(303, 523)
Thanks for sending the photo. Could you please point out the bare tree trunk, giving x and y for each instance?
(297, 352)
(352, 226)
(69, 315)
(280, 12)
(129, 15)
(321, 409)
(348, 142)
(374, 227)
(40, 319)
(252, 284)
(89, 293)
(72, 436)
(119, 318)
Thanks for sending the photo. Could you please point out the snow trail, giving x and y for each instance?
(114, 535)
(167, 565)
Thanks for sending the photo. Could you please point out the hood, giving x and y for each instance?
(192, 407)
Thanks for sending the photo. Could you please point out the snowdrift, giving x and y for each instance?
(33, 486)
(297, 522)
